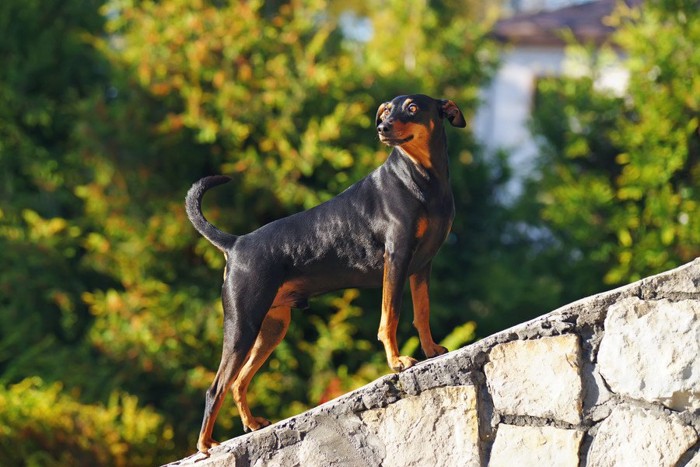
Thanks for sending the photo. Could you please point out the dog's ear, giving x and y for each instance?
(380, 111)
(449, 110)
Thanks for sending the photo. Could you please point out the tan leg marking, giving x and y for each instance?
(272, 332)
(421, 314)
(391, 301)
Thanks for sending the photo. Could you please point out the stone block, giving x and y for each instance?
(638, 437)
(535, 446)
(680, 281)
(539, 378)
(332, 441)
(650, 351)
(438, 427)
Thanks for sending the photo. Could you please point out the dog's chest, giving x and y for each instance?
(432, 229)
(431, 232)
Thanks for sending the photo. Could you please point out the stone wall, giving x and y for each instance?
(612, 379)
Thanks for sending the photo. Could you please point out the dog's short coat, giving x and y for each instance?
(384, 229)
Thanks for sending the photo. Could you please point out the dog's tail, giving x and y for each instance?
(193, 205)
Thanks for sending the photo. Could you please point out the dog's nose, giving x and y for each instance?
(384, 127)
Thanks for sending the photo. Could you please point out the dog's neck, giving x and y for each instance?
(430, 158)
(438, 154)
(428, 184)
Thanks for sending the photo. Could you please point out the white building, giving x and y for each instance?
(534, 47)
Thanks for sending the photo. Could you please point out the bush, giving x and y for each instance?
(41, 425)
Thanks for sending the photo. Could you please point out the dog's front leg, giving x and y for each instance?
(420, 288)
(395, 273)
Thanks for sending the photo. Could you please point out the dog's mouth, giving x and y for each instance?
(392, 141)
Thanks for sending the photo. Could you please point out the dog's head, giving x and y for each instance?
(409, 122)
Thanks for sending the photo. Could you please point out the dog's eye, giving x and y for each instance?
(413, 108)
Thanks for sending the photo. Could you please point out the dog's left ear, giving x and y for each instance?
(450, 110)
(380, 112)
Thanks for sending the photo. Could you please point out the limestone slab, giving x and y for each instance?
(332, 441)
(682, 280)
(635, 436)
(650, 351)
(438, 427)
(535, 446)
(540, 378)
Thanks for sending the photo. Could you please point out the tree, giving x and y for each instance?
(49, 70)
(37, 165)
(620, 174)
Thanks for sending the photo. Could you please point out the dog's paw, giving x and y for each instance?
(401, 363)
(255, 424)
(203, 446)
(434, 350)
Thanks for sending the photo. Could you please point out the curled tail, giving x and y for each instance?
(193, 205)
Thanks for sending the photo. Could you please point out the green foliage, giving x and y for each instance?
(37, 167)
(620, 175)
(41, 425)
(576, 176)
(660, 160)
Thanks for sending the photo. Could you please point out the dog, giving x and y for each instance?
(379, 232)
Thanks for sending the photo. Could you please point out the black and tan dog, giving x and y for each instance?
(382, 230)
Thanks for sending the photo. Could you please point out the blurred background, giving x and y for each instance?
(578, 173)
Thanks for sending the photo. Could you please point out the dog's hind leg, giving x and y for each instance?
(243, 320)
(272, 332)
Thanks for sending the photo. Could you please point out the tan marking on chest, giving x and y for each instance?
(421, 227)
(418, 149)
